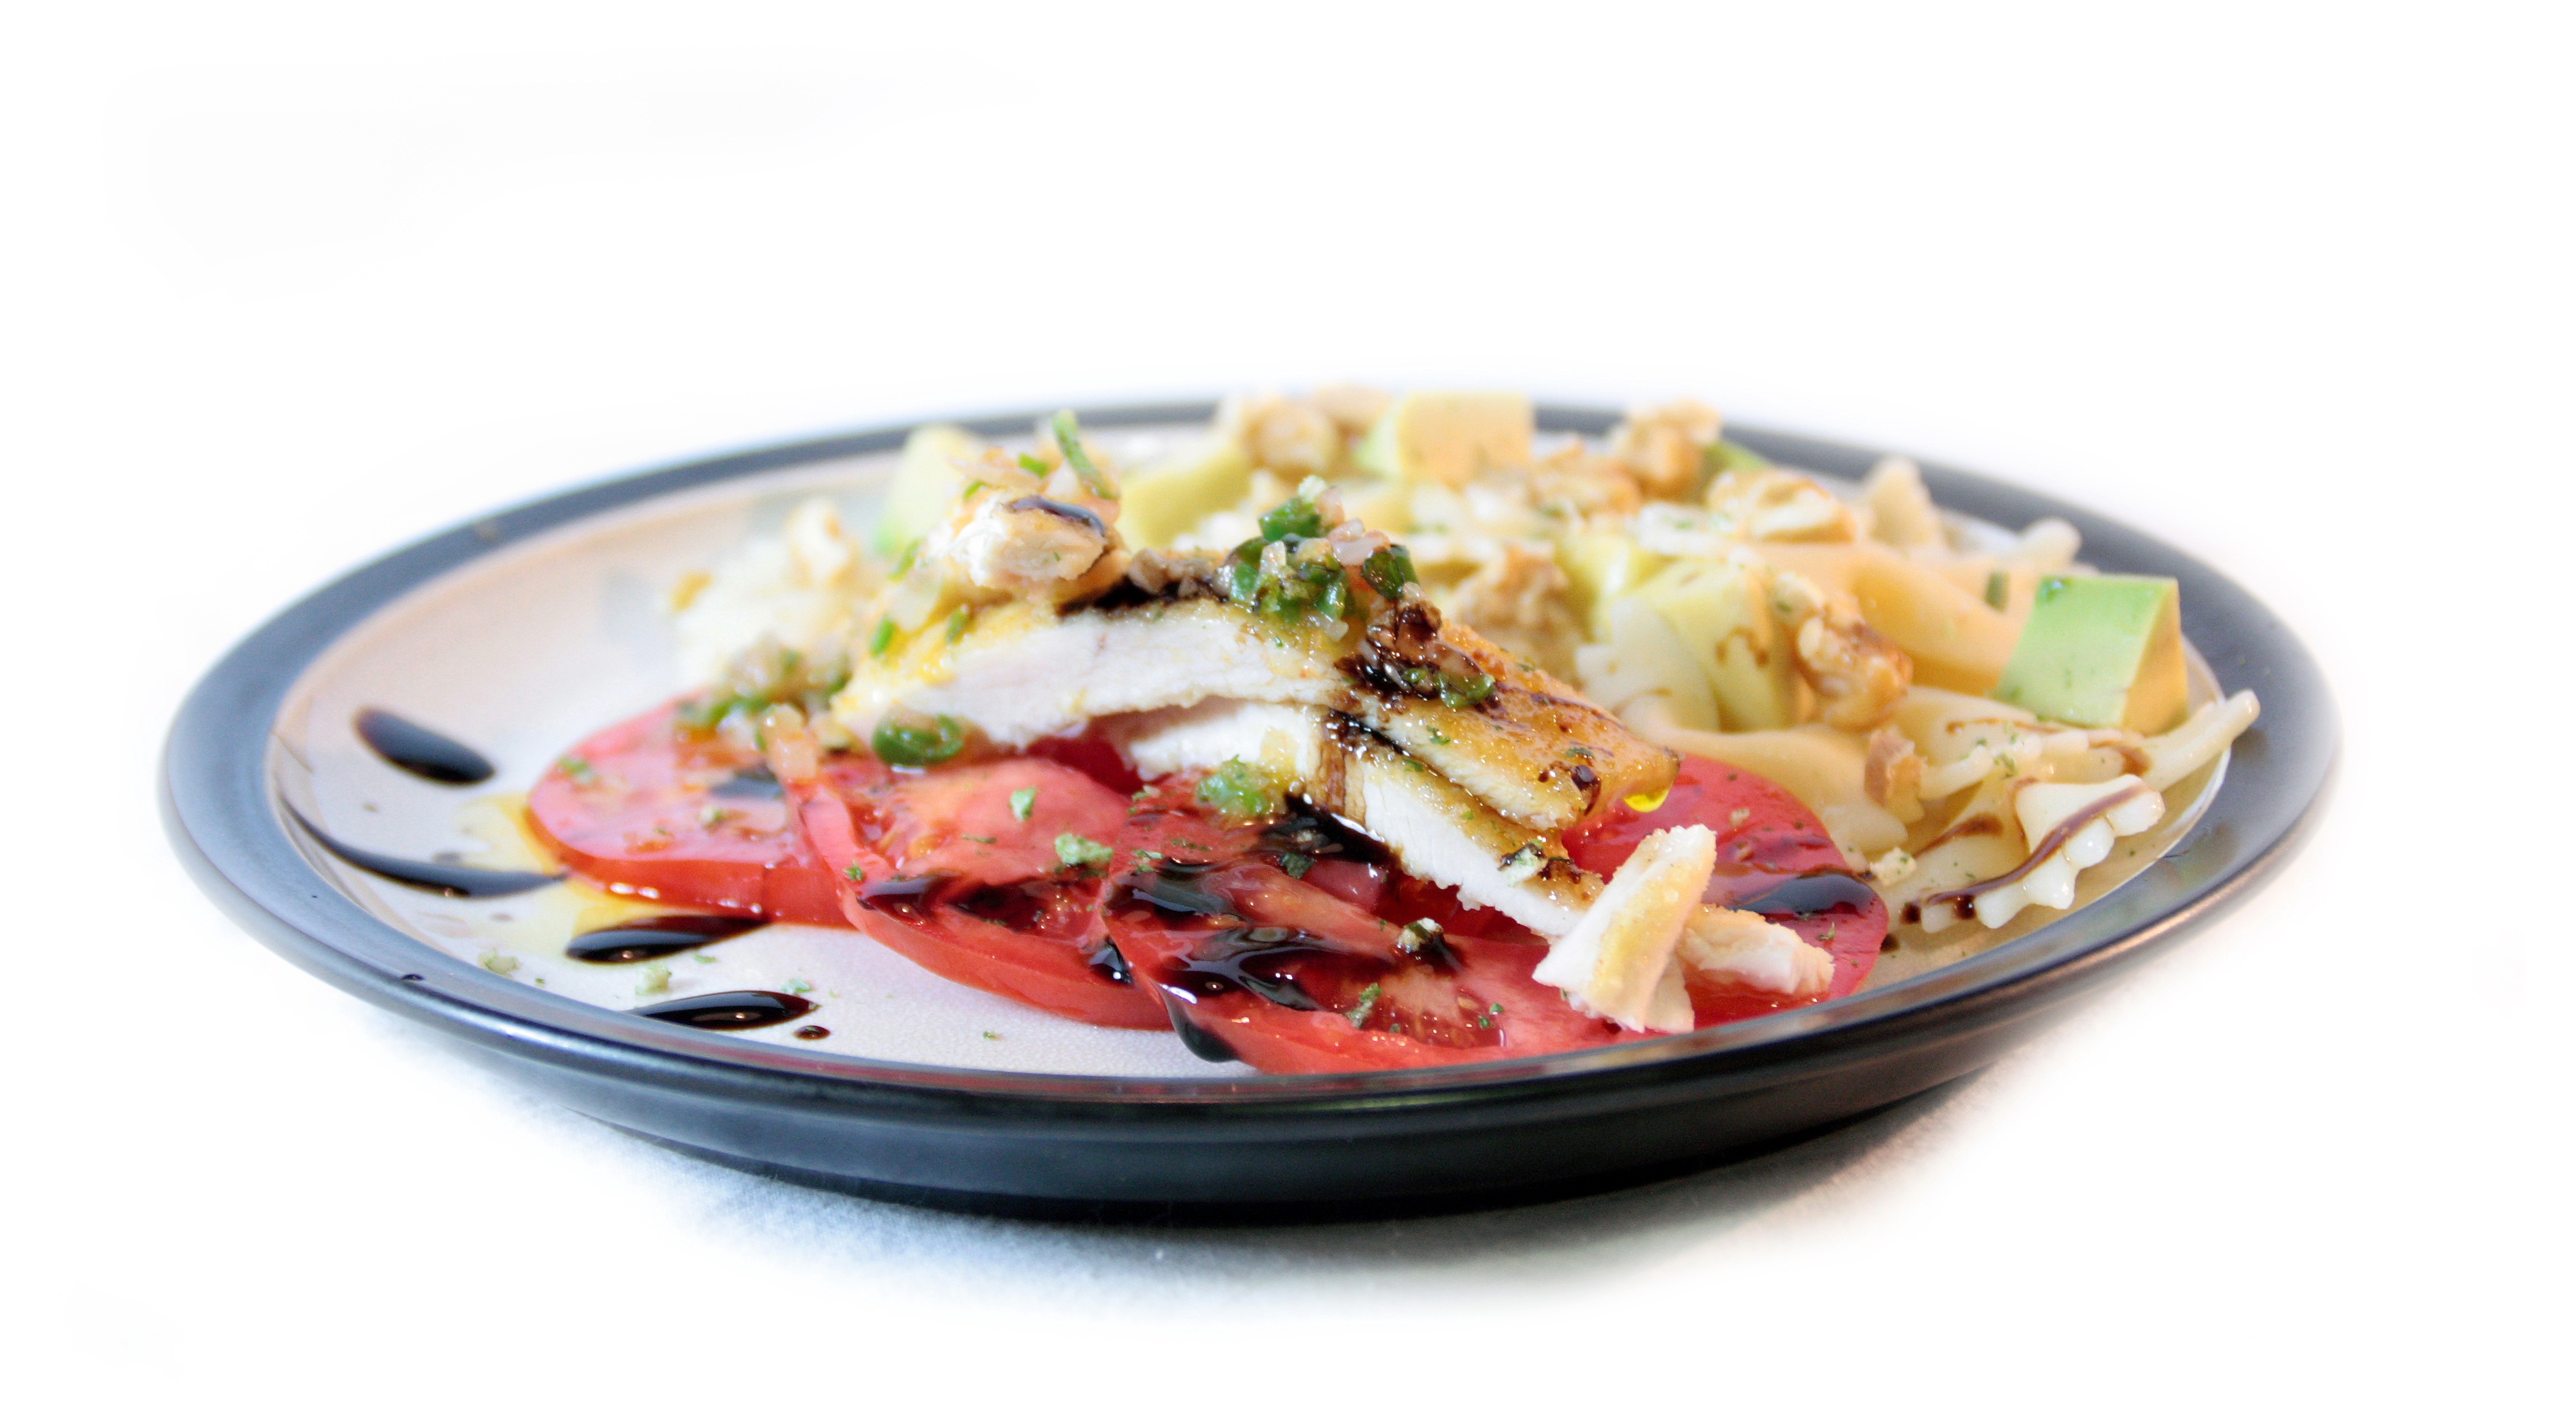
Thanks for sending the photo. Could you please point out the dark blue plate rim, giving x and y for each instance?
(230, 830)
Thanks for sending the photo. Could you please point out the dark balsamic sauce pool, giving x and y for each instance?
(749, 783)
(445, 879)
(408, 745)
(650, 937)
(730, 1009)
(1812, 895)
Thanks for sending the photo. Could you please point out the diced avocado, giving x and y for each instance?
(1721, 610)
(1162, 501)
(1724, 457)
(1449, 436)
(1602, 566)
(2101, 650)
(924, 486)
(1650, 657)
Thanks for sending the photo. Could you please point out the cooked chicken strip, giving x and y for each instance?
(1530, 749)
(1436, 830)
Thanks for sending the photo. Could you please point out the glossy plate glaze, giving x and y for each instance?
(526, 630)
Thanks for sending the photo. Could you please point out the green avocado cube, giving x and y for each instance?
(2101, 650)
(1162, 501)
(1449, 436)
(924, 487)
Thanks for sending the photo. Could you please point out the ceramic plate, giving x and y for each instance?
(525, 631)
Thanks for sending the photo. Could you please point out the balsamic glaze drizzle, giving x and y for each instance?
(750, 782)
(730, 1009)
(445, 879)
(649, 937)
(1203, 1042)
(1250, 958)
(410, 746)
(1812, 895)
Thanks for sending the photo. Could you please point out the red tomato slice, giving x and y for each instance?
(1773, 857)
(694, 820)
(942, 868)
(1291, 978)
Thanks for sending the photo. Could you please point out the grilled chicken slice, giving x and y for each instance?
(1535, 753)
(1437, 831)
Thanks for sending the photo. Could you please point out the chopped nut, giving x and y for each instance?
(1666, 446)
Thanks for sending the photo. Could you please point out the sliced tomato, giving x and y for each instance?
(945, 869)
(1291, 978)
(690, 819)
(1773, 857)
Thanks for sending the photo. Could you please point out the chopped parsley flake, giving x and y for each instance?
(1359, 1013)
(1074, 851)
(797, 985)
(1024, 802)
(578, 769)
(882, 639)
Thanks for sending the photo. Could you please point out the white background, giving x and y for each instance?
(282, 289)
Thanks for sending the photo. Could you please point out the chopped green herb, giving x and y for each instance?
(1494, 1009)
(882, 639)
(1453, 689)
(1998, 589)
(1295, 865)
(578, 769)
(656, 980)
(957, 624)
(977, 838)
(971, 489)
(911, 555)
(1239, 791)
(499, 962)
(1578, 753)
(1074, 851)
(702, 958)
(1068, 437)
(1024, 802)
(1359, 1013)
(1033, 465)
(988, 1033)
(898, 741)
(855, 873)
(1389, 570)
(798, 985)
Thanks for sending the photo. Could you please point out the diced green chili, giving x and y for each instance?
(1068, 437)
(1390, 569)
(1295, 517)
(902, 741)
